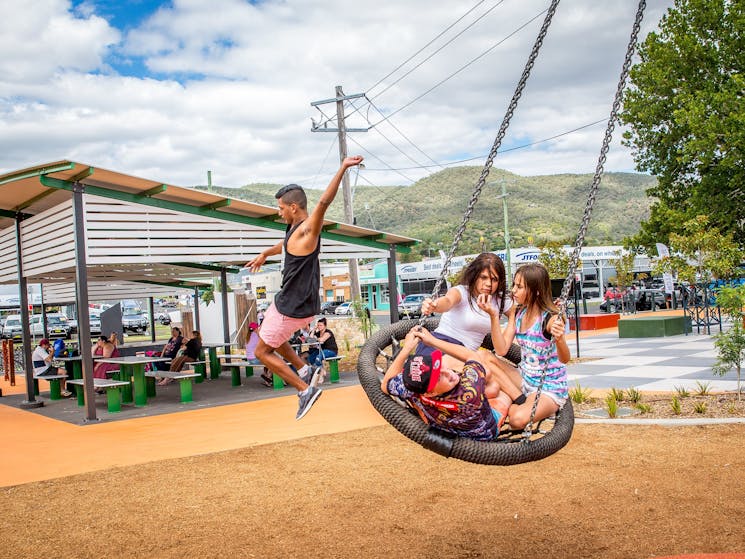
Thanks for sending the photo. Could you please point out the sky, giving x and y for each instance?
(169, 90)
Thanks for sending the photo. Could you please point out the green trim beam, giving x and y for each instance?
(210, 267)
(160, 189)
(208, 212)
(39, 172)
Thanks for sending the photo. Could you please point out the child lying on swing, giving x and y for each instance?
(451, 387)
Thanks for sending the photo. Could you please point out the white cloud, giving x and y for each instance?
(231, 85)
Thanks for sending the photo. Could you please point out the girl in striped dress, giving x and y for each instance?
(538, 328)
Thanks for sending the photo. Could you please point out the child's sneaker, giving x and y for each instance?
(307, 399)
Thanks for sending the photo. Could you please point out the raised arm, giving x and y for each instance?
(256, 263)
(501, 339)
(397, 366)
(315, 219)
(557, 328)
(441, 304)
(458, 351)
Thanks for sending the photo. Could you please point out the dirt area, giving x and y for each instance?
(615, 491)
(662, 406)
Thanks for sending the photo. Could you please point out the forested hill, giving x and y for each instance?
(544, 208)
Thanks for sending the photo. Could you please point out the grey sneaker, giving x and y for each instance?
(307, 400)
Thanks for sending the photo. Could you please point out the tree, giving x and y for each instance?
(556, 260)
(685, 110)
(701, 252)
(730, 344)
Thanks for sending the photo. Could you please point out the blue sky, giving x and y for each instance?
(170, 90)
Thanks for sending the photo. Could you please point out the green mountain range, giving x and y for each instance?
(540, 208)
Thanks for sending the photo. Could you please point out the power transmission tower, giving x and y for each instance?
(341, 129)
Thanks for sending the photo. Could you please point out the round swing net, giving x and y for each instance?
(535, 443)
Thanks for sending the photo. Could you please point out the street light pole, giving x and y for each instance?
(507, 258)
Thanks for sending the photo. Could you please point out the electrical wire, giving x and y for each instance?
(459, 70)
(437, 50)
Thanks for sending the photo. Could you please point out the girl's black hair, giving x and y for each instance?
(485, 261)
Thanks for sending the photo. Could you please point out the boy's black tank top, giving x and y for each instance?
(301, 278)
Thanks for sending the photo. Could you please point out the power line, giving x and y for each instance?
(437, 50)
(459, 70)
(478, 157)
(379, 159)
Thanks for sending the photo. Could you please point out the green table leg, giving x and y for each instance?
(114, 399)
(277, 382)
(55, 390)
(80, 391)
(235, 375)
(249, 371)
(214, 363)
(125, 374)
(138, 374)
(36, 387)
(186, 390)
(150, 387)
(334, 371)
(201, 370)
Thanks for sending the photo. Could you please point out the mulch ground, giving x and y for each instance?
(615, 491)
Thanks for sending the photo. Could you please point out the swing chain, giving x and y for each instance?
(497, 143)
(579, 243)
(527, 433)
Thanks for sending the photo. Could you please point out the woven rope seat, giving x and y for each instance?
(506, 450)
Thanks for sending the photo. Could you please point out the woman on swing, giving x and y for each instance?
(538, 327)
(463, 321)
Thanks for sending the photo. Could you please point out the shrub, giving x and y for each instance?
(579, 395)
(675, 405)
(611, 405)
(634, 395)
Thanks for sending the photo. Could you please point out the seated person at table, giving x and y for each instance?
(104, 348)
(451, 387)
(170, 349)
(42, 361)
(190, 351)
(253, 340)
(328, 344)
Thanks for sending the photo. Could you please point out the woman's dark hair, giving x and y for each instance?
(103, 338)
(537, 286)
(490, 262)
(177, 329)
(322, 319)
(196, 334)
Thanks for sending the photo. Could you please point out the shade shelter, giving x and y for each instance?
(70, 223)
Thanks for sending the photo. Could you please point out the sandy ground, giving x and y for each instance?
(615, 492)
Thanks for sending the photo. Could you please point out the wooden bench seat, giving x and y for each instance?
(199, 367)
(185, 382)
(235, 369)
(55, 385)
(112, 388)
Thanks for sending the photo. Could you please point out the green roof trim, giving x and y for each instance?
(160, 189)
(37, 172)
(264, 222)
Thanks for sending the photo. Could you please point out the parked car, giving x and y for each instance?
(344, 309)
(329, 307)
(95, 323)
(134, 320)
(12, 326)
(57, 326)
(411, 306)
(163, 318)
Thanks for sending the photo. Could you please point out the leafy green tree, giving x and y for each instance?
(685, 111)
(701, 252)
(556, 260)
(730, 344)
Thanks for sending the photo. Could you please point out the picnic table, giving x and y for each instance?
(213, 360)
(134, 366)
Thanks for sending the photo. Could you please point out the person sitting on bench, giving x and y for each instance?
(42, 361)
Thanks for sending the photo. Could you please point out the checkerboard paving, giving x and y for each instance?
(650, 364)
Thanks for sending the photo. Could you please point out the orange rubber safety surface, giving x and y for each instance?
(36, 448)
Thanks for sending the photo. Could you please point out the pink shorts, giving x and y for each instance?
(277, 328)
